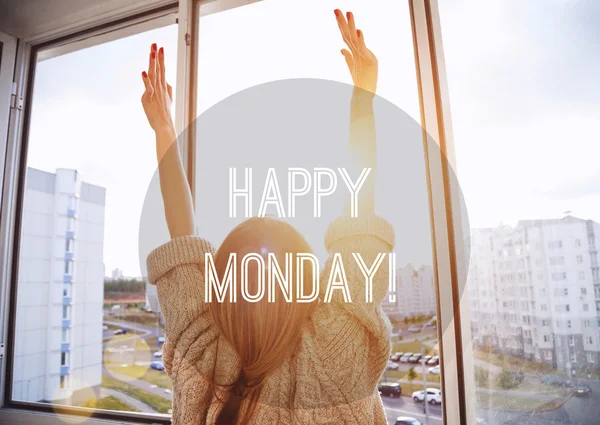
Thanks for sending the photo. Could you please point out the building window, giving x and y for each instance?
(548, 354)
(585, 307)
(583, 291)
(63, 382)
(589, 340)
(65, 312)
(573, 358)
(559, 276)
(571, 340)
(544, 307)
(557, 261)
(65, 335)
(586, 323)
(555, 244)
(63, 359)
(590, 357)
(577, 243)
(568, 323)
(579, 259)
(546, 338)
(581, 275)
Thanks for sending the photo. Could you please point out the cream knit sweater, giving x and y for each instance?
(332, 376)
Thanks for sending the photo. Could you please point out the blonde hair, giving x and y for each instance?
(249, 327)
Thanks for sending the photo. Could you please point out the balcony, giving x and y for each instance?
(70, 234)
(70, 212)
(67, 300)
(68, 278)
(64, 370)
(64, 347)
(68, 256)
(66, 323)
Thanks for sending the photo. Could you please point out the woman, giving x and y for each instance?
(272, 363)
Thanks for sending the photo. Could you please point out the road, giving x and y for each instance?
(405, 406)
(576, 411)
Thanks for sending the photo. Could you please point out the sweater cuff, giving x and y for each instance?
(178, 251)
(370, 225)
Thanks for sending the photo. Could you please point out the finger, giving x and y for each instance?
(170, 91)
(352, 29)
(343, 26)
(349, 61)
(147, 83)
(151, 68)
(161, 67)
(362, 47)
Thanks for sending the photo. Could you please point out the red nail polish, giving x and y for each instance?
(144, 74)
(348, 15)
(337, 12)
(153, 55)
(161, 51)
(359, 33)
(153, 47)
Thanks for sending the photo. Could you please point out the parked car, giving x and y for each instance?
(104, 328)
(396, 356)
(414, 329)
(434, 361)
(116, 307)
(434, 396)
(434, 370)
(120, 331)
(518, 376)
(392, 365)
(582, 390)
(414, 358)
(158, 354)
(405, 357)
(407, 420)
(558, 381)
(425, 359)
(391, 389)
(160, 340)
(157, 365)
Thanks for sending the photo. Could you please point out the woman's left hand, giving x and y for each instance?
(362, 63)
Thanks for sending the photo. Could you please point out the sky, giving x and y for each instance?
(523, 88)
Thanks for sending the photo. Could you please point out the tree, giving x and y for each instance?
(506, 380)
(482, 376)
(411, 374)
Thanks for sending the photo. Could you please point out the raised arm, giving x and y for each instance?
(363, 67)
(157, 100)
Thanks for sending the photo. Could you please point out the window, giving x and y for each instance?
(560, 292)
(585, 307)
(559, 276)
(590, 357)
(586, 323)
(555, 244)
(546, 338)
(261, 58)
(579, 259)
(571, 340)
(589, 340)
(581, 275)
(544, 307)
(545, 323)
(525, 201)
(573, 358)
(568, 323)
(583, 291)
(87, 179)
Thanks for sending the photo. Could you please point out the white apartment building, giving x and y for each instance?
(58, 347)
(534, 291)
(415, 293)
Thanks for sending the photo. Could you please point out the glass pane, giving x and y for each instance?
(84, 333)
(276, 40)
(525, 102)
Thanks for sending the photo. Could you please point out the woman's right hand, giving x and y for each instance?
(158, 96)
(362, 63)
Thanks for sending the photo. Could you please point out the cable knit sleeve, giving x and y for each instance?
(177, 270)
(368, 236)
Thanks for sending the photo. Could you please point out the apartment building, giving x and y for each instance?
(58, 346)
(534, 291)
(415, 293)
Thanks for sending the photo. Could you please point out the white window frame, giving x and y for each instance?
(448, 251)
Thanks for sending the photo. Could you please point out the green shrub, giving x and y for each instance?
(482, 377)
(506, 380)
